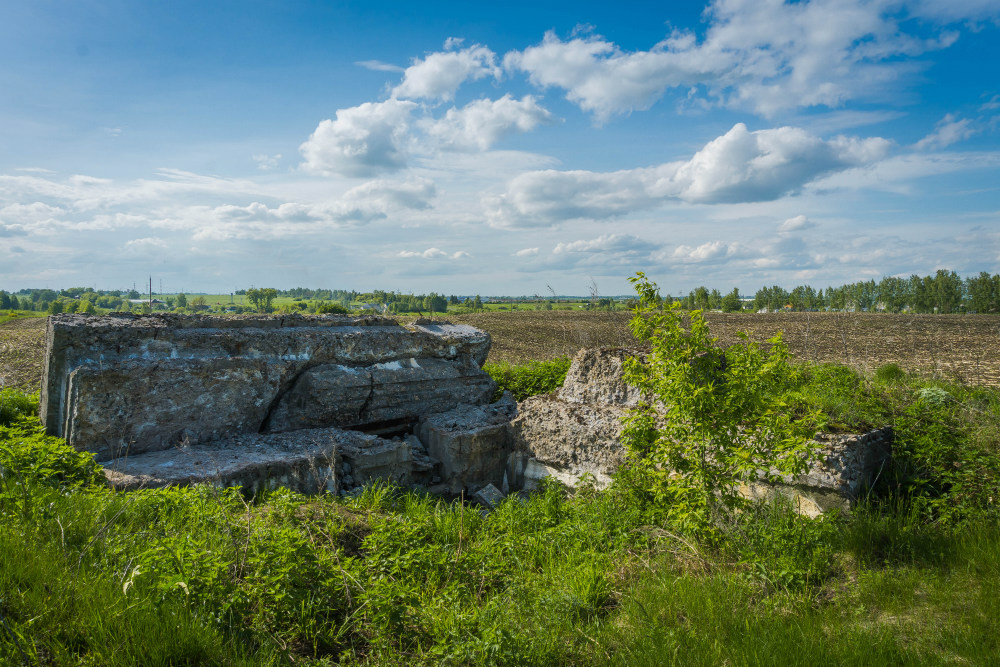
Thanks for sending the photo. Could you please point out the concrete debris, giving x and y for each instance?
(576, 432)
(127, 384)
(334, 403)
(488, 497)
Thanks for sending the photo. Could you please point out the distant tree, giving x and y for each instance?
(477, 305)
(198, 301)
(262, 298)
(701, 298)
(714, 300)
(182, 300)
(55, 307)
(731, 302)
(330, 308)
(4, 300)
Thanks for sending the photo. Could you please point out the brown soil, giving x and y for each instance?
(961, 347)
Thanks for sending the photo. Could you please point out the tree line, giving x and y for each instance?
(944, 292)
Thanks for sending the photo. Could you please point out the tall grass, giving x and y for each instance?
(198, 576)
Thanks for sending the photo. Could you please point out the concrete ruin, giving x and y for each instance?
(259, 401)
(332, 403)
(576, 431)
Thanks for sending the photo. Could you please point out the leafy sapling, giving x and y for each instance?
(714, 422)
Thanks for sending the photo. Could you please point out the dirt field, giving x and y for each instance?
(964, 347)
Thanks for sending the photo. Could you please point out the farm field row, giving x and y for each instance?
(959, 347)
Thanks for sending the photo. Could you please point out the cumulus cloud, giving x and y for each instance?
(433, 253)
(765, 55)
(740, 166)
(440, 74)
(603, 255)
(949, 130)
(267, 162)
(798, 223)
(146, 242)
(362, 141)
(482, 123)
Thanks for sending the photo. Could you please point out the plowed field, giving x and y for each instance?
(963, 347)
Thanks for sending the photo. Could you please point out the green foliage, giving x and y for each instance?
(847, 401)
(16, 406)
(331, 308)
(28, 456)
(262, 298)
(715, 419)
(530, 379)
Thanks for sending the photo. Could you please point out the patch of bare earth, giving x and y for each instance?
(22, 346)
(959, 347)
(956, 347)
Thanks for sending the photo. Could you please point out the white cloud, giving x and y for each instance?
(949, 130)
(798, 223)
(147, 242)
(704, 252)
(433, 253)
(607, 243)
(267, 162)
(440, 74)
(738, 167)
(482, 123)
(414, 193)
(379, 66)
(764, 55)
(608, 254)
(362, 141)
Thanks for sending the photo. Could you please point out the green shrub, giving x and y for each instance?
(718, 418)
(16, 405)
(890, 374)
(530, 379)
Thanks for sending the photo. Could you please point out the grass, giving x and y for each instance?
(530, 379)
(198, 576)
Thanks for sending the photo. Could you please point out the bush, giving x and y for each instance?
(15, 406)
(330, 308)
(717, 419)
(530, 379)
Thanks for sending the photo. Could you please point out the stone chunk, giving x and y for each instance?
(304, 461)
(133, 384)
(471, 442)
(401, 390)
(565, 440)
(489, 497)
(597, 376)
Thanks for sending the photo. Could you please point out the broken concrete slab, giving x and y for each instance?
(555, 438)
(569, 434)
(131, 384)
(472, 443)
(488, 497)
(398, 390)
(597, 375)
(308, 461)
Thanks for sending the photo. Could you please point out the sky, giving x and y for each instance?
(514, 148)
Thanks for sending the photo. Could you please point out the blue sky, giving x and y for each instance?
(469, 148)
